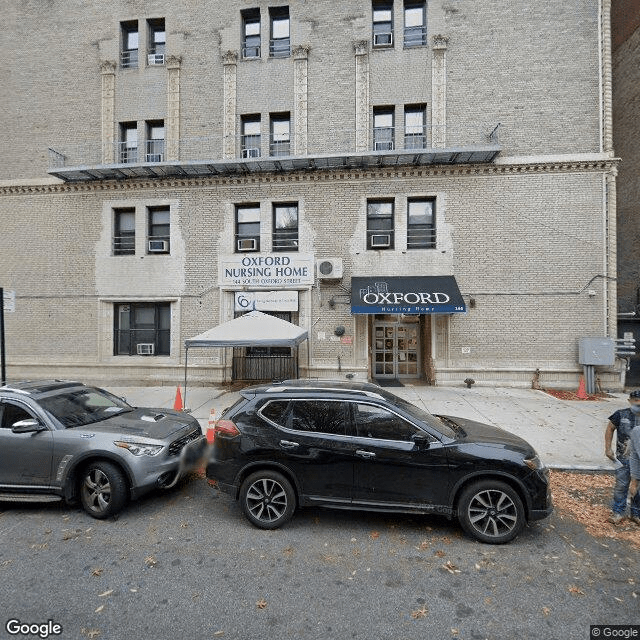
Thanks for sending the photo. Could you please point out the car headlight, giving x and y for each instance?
(534, 463)
(140, 448)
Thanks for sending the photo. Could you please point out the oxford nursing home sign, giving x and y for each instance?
(266, 270)
(412, 295)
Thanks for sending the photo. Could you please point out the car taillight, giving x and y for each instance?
(225, 428)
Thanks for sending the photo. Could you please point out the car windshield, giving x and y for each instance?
(419, 414)
(78, 407)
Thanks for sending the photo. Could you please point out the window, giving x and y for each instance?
(415, 24)
(280, 144)
(155, 141)
(383, 129)
(415, 129)
(285, 227)
(280, 43)
(128, 142)
(251, 33)
(315, 416)
(250, 136)
(124, 232)
(378, 422)
(380, 224)
(157, 41)
(142, 328)
(12, 413)
(421, 229)
(248, 227)
(159, 229)
(129, 52)
(382, 23)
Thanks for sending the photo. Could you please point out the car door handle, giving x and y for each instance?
(287, 444)
(365, 454)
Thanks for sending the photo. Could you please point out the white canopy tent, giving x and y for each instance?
(253, 329)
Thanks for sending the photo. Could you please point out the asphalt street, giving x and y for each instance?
(186, 564)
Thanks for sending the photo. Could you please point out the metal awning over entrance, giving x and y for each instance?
(408, 295)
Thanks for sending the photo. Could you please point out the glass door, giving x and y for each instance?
(395, 350)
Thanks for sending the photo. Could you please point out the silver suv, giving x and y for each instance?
(64, 440)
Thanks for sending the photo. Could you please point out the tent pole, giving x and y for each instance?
(186, 357)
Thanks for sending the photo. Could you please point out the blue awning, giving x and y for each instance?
(408, 295)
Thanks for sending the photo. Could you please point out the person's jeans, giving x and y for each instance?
(621, 490)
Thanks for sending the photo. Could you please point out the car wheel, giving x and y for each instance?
(491, 511)
(103, 489)
(267, 499)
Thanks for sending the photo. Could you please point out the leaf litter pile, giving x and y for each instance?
(586, 497)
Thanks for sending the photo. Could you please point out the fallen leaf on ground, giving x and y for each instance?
(420, 613)
(261, 604)
(576, 590)
(450, 567)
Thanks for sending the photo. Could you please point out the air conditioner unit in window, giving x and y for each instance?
(145, 349)
(387, 145)
(383, 39)
(329, 269)
(247, 244)
(158, 246)
(381, 240)
(155, 59)
(154, 157)
(252, 152)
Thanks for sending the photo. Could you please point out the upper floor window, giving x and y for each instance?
(129, 49)
(380, 225)
(382, 23)
(280, 42)
(415, 23)
(159, 229)
(383, 129)
(285, 227)
(251, 33)
(155, 141)
(128, 142)
(250, 141)
(124, 232)
(421, 229)
(142, 328)
(415, 127)
(247, 227)
(280, 143)
(157, 41)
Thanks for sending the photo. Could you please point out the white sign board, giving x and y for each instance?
(266, 269)
(266, 301)
(9, 300)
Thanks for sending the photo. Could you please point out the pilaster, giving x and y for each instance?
(173, 107)
(108, 73)
(230, 72)
(439, 92)
(300, 99)
(361, 50)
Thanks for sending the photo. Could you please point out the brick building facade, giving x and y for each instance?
(153, 152)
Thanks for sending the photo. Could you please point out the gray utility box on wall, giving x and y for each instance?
(597, 351)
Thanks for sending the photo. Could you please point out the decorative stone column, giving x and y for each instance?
(230, 69)
(439, 92)
(300, 99)
(361, 50)
(609, 284)
(108, 72)
(173, 107)
(607, 99)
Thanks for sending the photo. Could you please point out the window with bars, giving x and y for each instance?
(142, 328)
(251, 33)
(415, 24)
(380, 224)
(124, 232)
(157, 41)
(421, 228)
(382, 11)
(250, 139)
(247, 228)
(159, 229)
(129, 44)
(155, 141)
(285, 227)
(280, 41)
(415, 127)
(280, 142)
(383, 129)
(128, 151)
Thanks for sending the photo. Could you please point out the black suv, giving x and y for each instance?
(357, 446)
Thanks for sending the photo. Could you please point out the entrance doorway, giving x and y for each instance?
(396, 347)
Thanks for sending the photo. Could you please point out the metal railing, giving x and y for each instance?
(250, 51)
(415, 36)
(155, 150)
(383, 139)
(280, 48)
(129, 59)
(280, 148)
(124, 245)
(285, 240)
(127, 154)
(421, 238)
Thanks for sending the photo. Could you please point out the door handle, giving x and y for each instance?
(287, 444)
(365, 454)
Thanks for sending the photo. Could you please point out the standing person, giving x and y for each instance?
(633, 449)
(623, 422)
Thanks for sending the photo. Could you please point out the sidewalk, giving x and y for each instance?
(567, 434)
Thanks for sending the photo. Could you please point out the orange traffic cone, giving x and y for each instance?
(177, 405)
(211, 426)
(582, 392)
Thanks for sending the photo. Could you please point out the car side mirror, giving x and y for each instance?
(422, 442)
(27, 426)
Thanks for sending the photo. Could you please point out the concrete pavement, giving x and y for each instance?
(567, 434)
